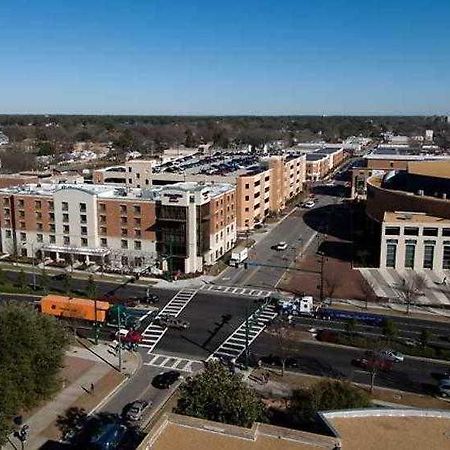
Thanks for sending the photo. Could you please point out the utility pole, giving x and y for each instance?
(119, 338)
(322, 264)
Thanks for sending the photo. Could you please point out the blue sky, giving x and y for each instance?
(225, 56)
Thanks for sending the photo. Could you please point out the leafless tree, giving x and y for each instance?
(332, 281)
(281, 334)
(368, 290)
(412, 288)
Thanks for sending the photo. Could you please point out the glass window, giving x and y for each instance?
(391, 254)
(84, 231)
(124, 232)
(410, 253)
(23, 237)
(82, 207)
(66, 240)
(124, 243)
(84, 242)
(52, 239)
(104, 242)
(8, 233)
(37, 204)
(21, 203)
(123, 208)
(65, 206)
(137, 245)
(430, 231)
(65, 217)
(39, 237)
(51, 205)
(137, 209)
(445, 231)
(392, 231)
(83, 218)
(446, 257)
(411, 231)
(428, 257)
(102, 207)
(66, 229)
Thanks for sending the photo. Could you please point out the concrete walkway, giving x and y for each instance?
(104, 360)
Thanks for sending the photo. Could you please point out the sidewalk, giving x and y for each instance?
(83, 370)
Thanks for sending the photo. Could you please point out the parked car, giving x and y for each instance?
(281, 246)
(309, 204)
(444, 388)
(372, 363)
(165, 379)
(392, 355)
(168, 321)
(135, 410)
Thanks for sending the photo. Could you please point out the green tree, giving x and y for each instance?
(3, 279)
(218, 395)
(91, 288)
(44, 280)
(326, 395)
(67, 286)
(32, 348)
(390, 329)
(351, 326)
(425, 336)
(22, 279)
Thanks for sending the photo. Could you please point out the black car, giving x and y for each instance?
(165, 379)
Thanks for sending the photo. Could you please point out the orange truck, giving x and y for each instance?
(74, 308)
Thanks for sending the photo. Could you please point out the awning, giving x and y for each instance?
(76, 250)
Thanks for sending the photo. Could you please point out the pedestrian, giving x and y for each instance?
(444, 281)
(92, 388)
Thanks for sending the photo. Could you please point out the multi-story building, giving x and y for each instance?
(263, 184)
(411, 212)
(183, 226)
(317, 166)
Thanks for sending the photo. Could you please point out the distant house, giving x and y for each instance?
(3, 139)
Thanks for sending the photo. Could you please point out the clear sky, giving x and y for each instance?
(225, 56)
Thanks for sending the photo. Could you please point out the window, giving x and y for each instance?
(446, 257)
(83, 218)
(138, 175)
(65, 206)
(23, 237)
(410, 253)
(392, 231)
(24, 252)
(52, 227)
(257, 206)
(137, 221)
(66, 240)
(8, 233)
(102, 230)
(123, 209)
(66, 229)
(137, 209)
(51, 217)
(147, 182)
(51, 206)
(37, 204)
(130, 180)
(247, 198)
(137, 233)
(411, 231)
(52, 238)
(124, 243)
(102, 219)
(102, 207)
(430, 231)
(7, 223)
(22, 214)
(428, 257)
(129, 169)
(137, 245)
(40, 237)
(124, 232)
(84, 231)
(39, 226)
(247, 210)
(82, 207)
(84, 242)
(247, 186)
(103, 242)
(22, 225)
(21, 203)
(391, 254)
(445, 231)
(123, 220)
(7, 211)
(65, 217)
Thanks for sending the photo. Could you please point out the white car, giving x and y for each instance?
(309, 204)
(392, 355)
(281, 246)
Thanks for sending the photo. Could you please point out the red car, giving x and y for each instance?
(373, 363)
(133, 337)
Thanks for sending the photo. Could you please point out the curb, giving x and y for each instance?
(122, 384)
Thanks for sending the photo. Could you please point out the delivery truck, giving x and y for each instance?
(238, 255)
(74, 308)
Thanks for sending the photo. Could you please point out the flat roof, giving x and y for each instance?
(315, 156)
(189, 433)
(393, 431)
(407, 217)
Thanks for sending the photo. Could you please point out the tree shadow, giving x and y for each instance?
(71, 422)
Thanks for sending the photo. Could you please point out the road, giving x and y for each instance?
(292, 230)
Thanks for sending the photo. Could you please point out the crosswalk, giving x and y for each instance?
(235, 344)
(154, 333)
(387, 283)
(247, 292)
(173, 362)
